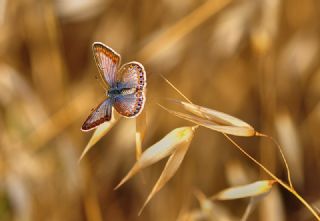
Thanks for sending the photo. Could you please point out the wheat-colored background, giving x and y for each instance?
(256, 60)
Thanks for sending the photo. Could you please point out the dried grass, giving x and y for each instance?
(256, 60)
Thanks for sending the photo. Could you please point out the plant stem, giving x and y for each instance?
(282, 155)
(282, 183)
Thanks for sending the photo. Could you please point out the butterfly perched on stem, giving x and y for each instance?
(126, 86)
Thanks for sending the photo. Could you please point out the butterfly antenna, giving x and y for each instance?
(101, 83)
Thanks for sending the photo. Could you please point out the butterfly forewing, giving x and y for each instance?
(132, 75)
(99, 115)
(107, 61)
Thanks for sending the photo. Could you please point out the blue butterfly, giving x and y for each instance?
(126, 87)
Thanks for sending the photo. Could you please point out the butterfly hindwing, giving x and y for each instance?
(130, 105)
(98, 116)
(107, 61)
(131, 76)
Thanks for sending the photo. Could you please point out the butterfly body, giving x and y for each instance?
(126, 87)
(120, 89)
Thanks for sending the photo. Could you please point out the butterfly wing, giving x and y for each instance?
(99, 115)
(107, 61)
(132, 75)
(130, 105)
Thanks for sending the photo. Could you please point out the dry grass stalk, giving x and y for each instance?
(141, 126)
(101, 130)
(176, 144)
(180, 29)
(255, 191)
(214, 120)
(226, 118)
(169, 170)
(250, 190)
(283, 184)
(221, 122)
(224, 123)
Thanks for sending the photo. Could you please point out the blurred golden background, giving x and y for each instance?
(256, 60)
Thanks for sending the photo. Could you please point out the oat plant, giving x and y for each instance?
(177, 142)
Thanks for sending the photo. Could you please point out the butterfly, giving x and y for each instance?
(126, 87)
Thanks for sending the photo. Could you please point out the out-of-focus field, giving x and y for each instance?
(256, 60)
